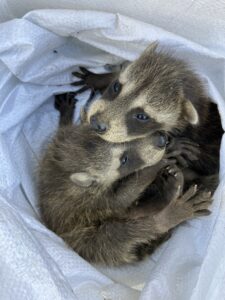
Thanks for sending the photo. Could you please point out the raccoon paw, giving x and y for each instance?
(65, 102)
(191, 204)
(183, 150)
(195, 203)
(88, 80)
(172, 182)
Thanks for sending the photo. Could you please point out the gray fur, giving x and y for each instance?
(95, 211)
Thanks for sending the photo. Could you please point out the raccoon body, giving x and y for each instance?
(89, 188)
(157, 92)
(78, 195)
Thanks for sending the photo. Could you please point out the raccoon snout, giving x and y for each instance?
(97, 125)
(160, 139)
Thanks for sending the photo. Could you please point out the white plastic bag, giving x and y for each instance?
(37, 55)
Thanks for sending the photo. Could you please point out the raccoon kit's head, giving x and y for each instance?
(82, 157)
(152, 93)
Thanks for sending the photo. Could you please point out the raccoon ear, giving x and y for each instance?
(152, 47)
(190, 113)
(82, 179)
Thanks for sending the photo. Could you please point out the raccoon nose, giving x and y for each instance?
(98, 125)
(161, 139)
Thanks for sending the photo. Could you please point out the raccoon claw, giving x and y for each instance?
(173, 182)
(190, 192)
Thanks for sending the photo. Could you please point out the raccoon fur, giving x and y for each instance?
(156, 92)
(88, 189)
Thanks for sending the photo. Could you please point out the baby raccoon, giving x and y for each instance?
(155, 92)
(88, 188)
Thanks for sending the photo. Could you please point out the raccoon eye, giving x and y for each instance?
(116, 87)
(142, 117)
(124, 159)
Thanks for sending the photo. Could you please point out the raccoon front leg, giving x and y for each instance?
(159, 193)
(131, 188)
(189, 154)
(192, 203)
(208, 163)
(65, 104)
(169, 185)
(92, 81)
(183, 149)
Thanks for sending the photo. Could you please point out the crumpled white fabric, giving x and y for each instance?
(37, 54)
